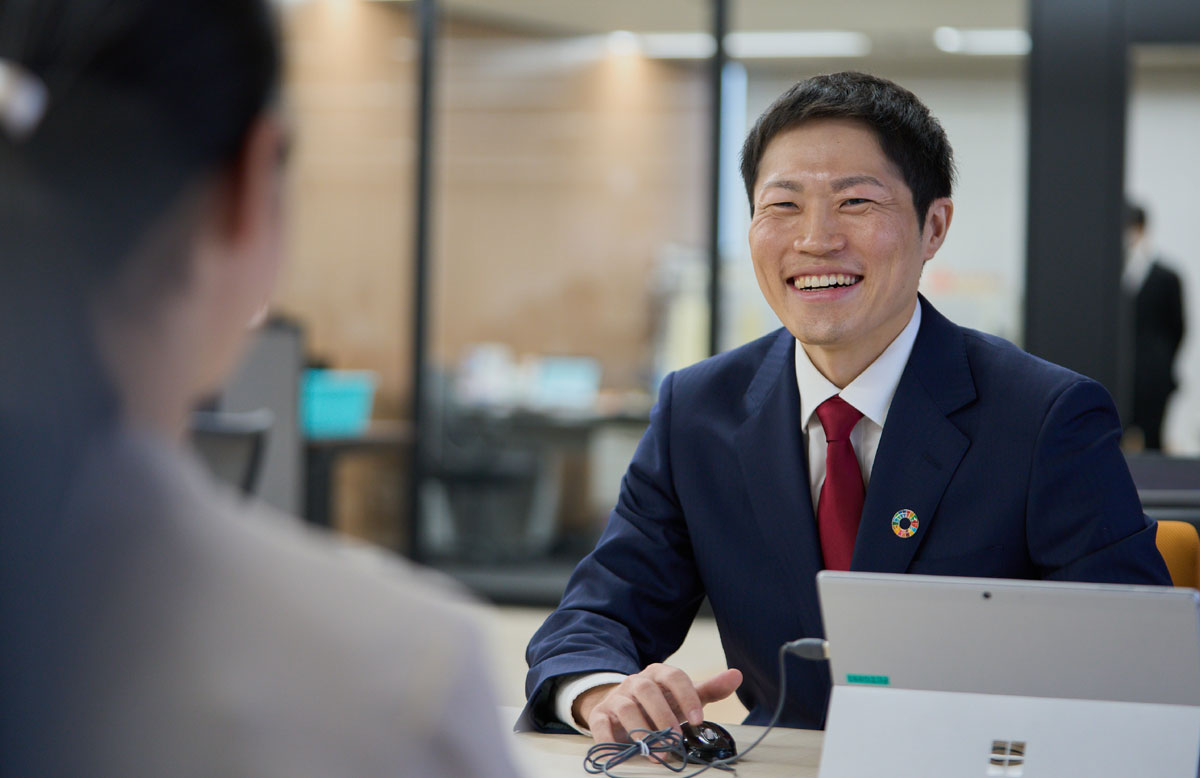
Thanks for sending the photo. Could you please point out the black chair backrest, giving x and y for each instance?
(1169, 487)
(232, 444)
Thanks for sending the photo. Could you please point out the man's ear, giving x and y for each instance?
(249, 192)
(937, 224)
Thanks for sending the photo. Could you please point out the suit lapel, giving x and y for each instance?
(920, 449)
(770, 449)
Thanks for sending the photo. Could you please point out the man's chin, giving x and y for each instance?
(818, 336)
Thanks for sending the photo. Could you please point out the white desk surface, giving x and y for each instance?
(794, 753)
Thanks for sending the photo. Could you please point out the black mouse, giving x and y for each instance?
(707, 742)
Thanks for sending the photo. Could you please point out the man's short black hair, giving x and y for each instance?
(910, 136)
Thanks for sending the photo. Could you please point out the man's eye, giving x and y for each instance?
(782, 204)
(857, 201)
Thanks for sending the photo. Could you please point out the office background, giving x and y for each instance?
(570, 217)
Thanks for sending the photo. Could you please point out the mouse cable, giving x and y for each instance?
(602, 757)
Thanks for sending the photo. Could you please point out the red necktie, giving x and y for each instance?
(839, 508)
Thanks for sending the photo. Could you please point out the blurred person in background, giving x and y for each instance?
(152, 623)
(1157, 301)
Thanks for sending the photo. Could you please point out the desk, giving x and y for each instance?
(321, 456)
(794, 753)
(508, 485)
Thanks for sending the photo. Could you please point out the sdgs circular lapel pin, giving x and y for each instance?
(905, 523)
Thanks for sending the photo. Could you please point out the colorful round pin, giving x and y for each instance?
(905, 523)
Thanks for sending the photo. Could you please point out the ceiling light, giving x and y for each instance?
(985, 42)
(677, 45)
(807, 43)
(623, 43)
(741, 45)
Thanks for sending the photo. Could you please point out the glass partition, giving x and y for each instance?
(568, 273)
(348, 94)
(569, 267)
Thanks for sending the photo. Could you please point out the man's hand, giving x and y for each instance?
(656, 698)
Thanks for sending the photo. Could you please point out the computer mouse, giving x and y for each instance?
(707, 742)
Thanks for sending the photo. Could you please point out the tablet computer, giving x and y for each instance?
(940, 676)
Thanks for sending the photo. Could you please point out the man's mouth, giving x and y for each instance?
(828, 281)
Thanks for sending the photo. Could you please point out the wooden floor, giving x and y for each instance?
(509, 630)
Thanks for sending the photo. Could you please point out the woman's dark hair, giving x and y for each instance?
(909, 134)
(145, 99)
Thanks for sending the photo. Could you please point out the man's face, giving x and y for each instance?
(835, 241)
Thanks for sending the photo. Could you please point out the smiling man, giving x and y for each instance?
(869, 433)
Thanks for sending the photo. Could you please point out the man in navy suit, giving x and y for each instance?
(870, 433)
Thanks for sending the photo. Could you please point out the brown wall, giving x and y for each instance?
(559, 172)
(350, 88)
(559, 182)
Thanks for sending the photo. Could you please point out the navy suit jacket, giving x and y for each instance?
(1010, 463)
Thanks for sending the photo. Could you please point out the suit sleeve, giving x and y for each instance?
(1084, 521)
(631, 601)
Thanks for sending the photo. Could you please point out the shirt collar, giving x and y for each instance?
(872, 391)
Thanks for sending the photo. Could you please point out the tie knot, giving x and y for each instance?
(838, 417)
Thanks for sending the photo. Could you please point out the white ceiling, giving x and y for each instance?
(883, 20)
(899, 30)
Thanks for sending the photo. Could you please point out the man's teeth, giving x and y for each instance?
(825, 281)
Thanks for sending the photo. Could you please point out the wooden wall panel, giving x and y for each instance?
(561, 173)
(350, 85)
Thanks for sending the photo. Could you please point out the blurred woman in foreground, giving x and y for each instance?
(152, 624)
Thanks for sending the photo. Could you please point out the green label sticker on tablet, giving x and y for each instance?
(870, 680)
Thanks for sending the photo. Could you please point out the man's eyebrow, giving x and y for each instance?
(784, 183)
(839, 184)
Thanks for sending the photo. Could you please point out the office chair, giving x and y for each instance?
(492, 494)
(1153, 472)
(1180, 547)
(232, 444)
(269, 377)
(1169, 487)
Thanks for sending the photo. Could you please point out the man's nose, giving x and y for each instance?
(819, 233)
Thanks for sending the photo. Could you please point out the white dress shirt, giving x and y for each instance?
(1138, 259)
(871, 393)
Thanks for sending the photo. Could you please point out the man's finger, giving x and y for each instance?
(601, 727)
(585, 703)
(681, 693)
(720, 685)
(631, 714)
(650, 696)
